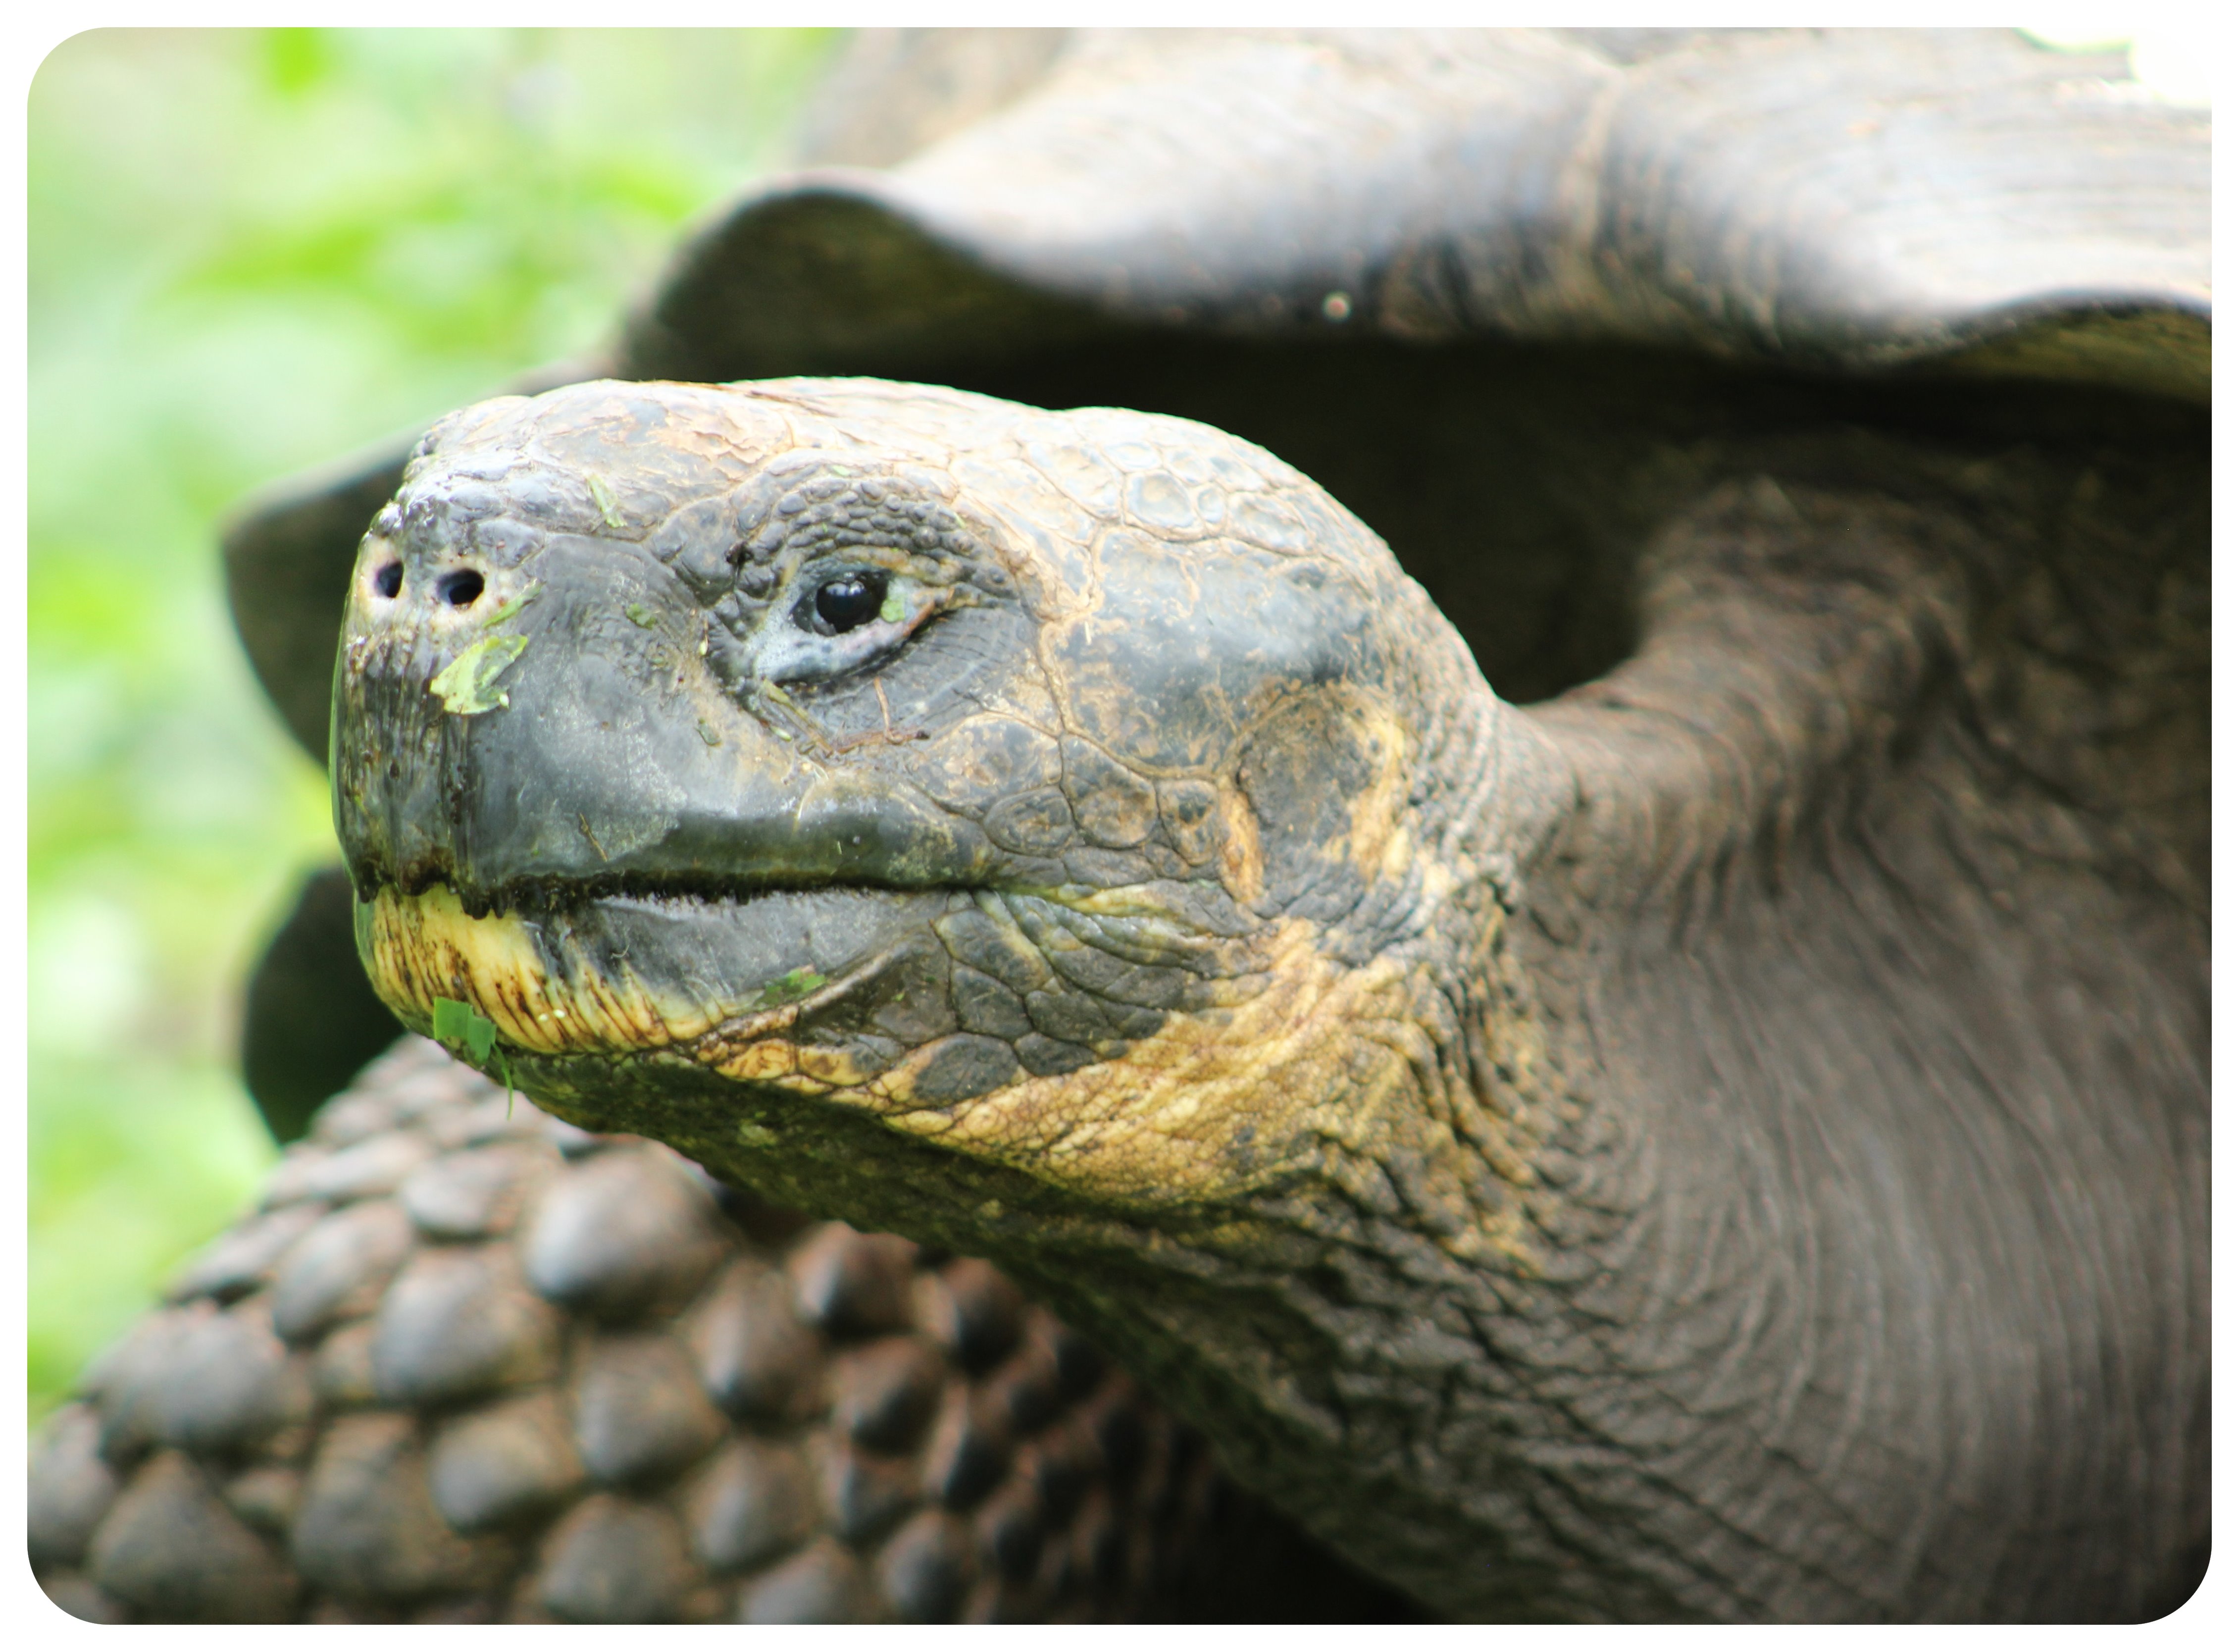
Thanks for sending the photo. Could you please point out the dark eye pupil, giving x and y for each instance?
(852, 600)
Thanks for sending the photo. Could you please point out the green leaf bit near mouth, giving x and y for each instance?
(641, 615)
(462, 1024)
(794, 983)
(469, 684)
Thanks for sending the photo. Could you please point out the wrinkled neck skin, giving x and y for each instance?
(1889, 1015)
(1777, 1235)
(1675, 1178)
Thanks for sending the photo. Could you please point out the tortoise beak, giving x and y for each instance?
(553, 812)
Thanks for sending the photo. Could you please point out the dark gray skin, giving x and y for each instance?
(1730, 1142)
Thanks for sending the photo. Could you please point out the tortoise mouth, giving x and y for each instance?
(632, 966)
(550, 897)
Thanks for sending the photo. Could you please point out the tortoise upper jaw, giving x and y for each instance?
(603, 753)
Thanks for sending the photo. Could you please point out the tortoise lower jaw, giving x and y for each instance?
(630, 974)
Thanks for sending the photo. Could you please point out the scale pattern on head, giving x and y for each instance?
(1068, 787)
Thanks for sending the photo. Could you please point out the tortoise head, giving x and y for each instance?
(819, 772)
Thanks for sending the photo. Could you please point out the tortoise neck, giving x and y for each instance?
(1652, 1283)
(1871, 1258)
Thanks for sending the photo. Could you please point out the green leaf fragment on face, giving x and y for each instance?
(462, 1024)
(641, 615)
(891, 609)
(708, 734)
(514, 604)
(469, 684)
(794, 983)
(604, 498)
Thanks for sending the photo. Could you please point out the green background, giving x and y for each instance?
(249, 252)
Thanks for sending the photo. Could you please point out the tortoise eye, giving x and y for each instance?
(851, 600)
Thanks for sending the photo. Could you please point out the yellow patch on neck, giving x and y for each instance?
(1326, 1060)
(1327, 1075)
(1380, 845)
(542, 989)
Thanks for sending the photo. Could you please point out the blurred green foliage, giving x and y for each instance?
(252, 250)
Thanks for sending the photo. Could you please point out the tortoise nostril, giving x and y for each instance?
(460, 589)
(388, 578)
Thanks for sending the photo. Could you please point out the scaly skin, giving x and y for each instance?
(1515, 1136)
(468, 1364)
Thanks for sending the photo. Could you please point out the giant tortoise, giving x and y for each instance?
(1584, 946)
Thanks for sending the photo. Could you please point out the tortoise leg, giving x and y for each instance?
(465, 1361)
